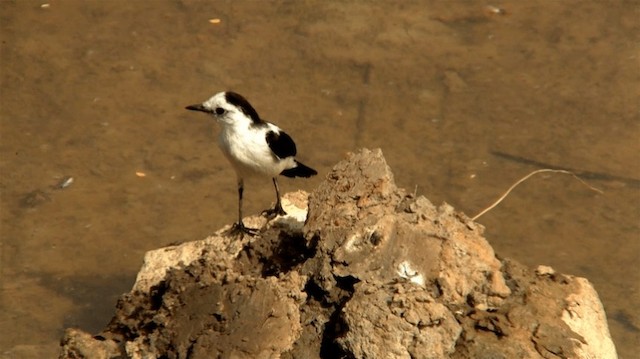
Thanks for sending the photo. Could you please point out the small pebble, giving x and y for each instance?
(545, 270)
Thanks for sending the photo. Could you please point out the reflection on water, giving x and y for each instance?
(96, 91)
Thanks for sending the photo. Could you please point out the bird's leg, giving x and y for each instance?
(238, 227)
(277, 210)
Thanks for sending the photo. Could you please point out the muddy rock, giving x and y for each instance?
(402, 321)
(360, 270)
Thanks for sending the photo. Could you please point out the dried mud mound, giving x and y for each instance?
(368, 271)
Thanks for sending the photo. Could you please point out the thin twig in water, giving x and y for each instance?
(527, 177)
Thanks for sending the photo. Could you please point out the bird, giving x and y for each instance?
(254, 147)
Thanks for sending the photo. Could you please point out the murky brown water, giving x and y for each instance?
(96, 90)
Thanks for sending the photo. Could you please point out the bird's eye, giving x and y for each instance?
(219, 110)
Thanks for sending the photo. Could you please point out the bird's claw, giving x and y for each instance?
(272, 213)
(238, 229)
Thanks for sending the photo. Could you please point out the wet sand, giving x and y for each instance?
(462, 98)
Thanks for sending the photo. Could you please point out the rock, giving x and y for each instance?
(78, 344)
(585, 315)
(402, 321)
(369, 272)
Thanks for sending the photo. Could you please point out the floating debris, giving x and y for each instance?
(215, 21)
(495, 10)
(65, 182)
(141, 174)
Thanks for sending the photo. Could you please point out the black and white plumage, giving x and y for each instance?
(252, 146)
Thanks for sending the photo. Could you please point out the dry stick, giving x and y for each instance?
(527, 177)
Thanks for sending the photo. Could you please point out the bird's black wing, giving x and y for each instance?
(281, 144)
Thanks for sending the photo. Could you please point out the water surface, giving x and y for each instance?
(463, 99)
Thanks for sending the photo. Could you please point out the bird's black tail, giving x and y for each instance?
(299, 171)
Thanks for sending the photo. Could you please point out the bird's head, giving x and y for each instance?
(229, 108)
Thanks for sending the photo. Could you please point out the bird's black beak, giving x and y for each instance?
(197, 107)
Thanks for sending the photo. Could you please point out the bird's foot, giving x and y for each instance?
(238, 229)
(272, 213)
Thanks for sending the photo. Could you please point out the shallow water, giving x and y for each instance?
(462, 98)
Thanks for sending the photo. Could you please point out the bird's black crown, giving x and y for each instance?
(240, 102)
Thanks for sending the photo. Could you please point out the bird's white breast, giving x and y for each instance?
(247, 149)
